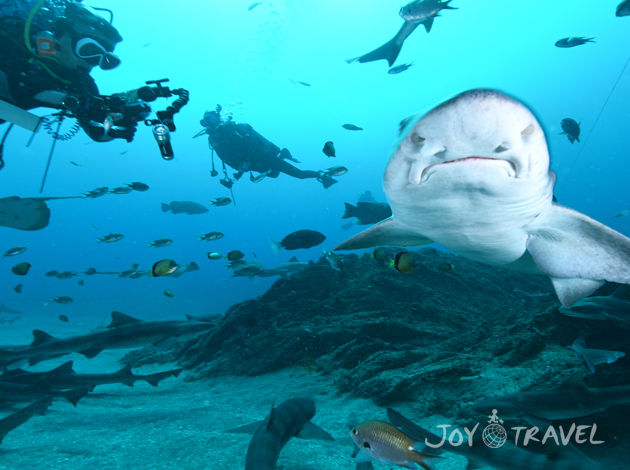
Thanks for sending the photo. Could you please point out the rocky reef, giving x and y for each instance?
(442, 340)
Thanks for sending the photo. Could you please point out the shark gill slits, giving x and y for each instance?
(528, 130)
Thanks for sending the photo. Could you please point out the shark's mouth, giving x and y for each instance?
(511, 171)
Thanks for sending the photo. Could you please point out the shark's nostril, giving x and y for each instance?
(501, 148)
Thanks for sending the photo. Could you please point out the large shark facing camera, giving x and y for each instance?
(473, 175)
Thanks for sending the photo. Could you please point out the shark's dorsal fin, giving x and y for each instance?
(120, 319)
(269, 417)
(293, 260)
(41, 337)
(65, 368)
(575, 381)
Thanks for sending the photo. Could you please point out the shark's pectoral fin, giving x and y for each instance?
(570, 291)
(90, 353)
(248, 428)
(569, 245)
(387, 232)
(427, 24)
(312, 431)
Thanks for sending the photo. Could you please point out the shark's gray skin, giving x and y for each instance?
(14, 420)
(527, 296)
(124, 332)
(250, 269)
(473, 175)
(64, 377)
(502, 458)
(572, 399)
(291, 418)
(612, 307)
(593, 357)
(284, 269)
(17, 393)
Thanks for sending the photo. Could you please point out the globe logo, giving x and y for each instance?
(494, 436)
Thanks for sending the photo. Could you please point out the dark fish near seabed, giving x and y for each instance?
(208, 237)
(121, 190)
(572, 42)
(291, 418)
(254, 5)
(423, 11)
(98, 192)
(111, 238)
(88, 272)
(168, 293)
(378, 440)
(304, 83)
(81, 282)
(184, 207)
(235, 255)
(64, 300)
(162, 242)
(403, 262)
(63, 318)
(21, 269)
(75, 163)
(571, 129)
(52, 273)
(168, 267)
(367, 212)
(623, 9)
(18, 288)
(297, 240)
(445, 267)
(18, 250)
(399, 68)
(66, 275)
(352, 127)
(221, 201)
(329, 149)
(334, 259)
(379, 255)
(138, 186)
(620, 214)
(215, 256)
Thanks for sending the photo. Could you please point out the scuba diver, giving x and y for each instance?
(47, 50)
(245, 150)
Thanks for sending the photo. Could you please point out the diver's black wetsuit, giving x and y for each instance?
(244, 149)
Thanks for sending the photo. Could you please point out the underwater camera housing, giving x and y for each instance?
(164, 124)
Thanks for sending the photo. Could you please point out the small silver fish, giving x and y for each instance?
(333, 259)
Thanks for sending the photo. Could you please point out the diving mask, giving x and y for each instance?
(88, 48)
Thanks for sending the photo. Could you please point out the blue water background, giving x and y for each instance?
(221, 52)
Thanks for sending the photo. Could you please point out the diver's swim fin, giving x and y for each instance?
(327, 181)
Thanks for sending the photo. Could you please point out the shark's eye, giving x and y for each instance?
(367, 445)
(529, 130)
(416, 139)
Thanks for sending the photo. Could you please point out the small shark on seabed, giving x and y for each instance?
(572, 399)
(64, 377)
(415, 13)
(124, 332)
(473, 175)
(14, 420)
(502, 458)
(612, 307)
(291, 418)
